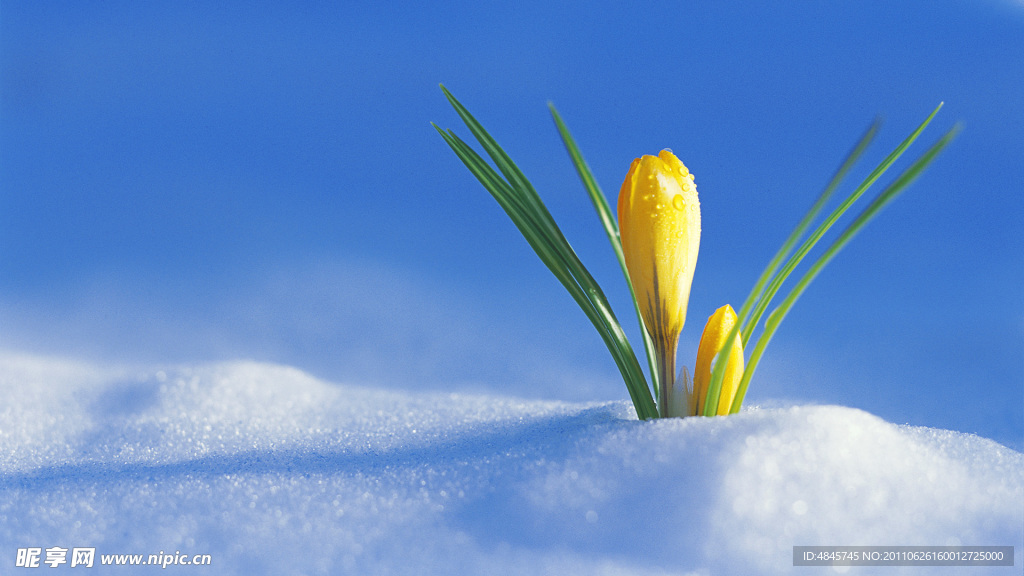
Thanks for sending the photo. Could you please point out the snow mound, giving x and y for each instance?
(271, 471)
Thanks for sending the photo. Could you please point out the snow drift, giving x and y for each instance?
(271, 471)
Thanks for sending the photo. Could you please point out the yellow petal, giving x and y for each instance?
(659, 224)
(711, 342)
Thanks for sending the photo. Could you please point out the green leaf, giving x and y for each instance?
(523, 205)
(775, 284)
(805, 222)
(715, 386)
(888, 195)
(611, 228)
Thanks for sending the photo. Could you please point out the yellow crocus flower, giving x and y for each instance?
(711, 342)
(659, 225)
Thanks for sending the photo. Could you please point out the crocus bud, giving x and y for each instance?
(711, 342)
(659, 224)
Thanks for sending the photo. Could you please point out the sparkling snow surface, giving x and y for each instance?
(271, 471)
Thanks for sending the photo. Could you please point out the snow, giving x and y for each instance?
(272, 471)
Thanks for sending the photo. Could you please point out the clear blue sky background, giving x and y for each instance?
(193, 181)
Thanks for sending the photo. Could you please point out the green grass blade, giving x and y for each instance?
(715, 386)
(805, 222)
(809, 243)
(611, 228)
(512, 173)
(794, 260)
(529, 195)
(548, 254)
(604, 209)
(522, 204)
(888, 195)
(513, 205)
(546, 222)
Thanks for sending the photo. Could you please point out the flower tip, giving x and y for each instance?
(679, 400)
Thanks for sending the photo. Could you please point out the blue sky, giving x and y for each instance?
(184, 182)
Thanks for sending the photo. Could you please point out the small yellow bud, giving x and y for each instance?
(711, 342)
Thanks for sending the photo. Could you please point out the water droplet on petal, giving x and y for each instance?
(678, 202)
